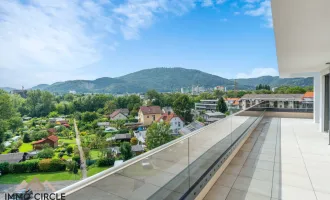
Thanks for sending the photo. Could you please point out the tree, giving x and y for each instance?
(182, 107)
(6, 106)
(89, 116)
(126, 150)
(26, 138)
(109, 107)
(134, 141)
(158, 134)
(222, 106)
(15, 123)
(46, 153)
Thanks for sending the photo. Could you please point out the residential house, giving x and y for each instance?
(13, 157)
(290, 101)
(308, 100)
(136, 149)
(22, 92)
(195, 125)
(140, 136)
(173, 120)
(206, 105)
(232, 103)
(149, 114)
(220, 88)
(126, 137)
(119, 114)
(211, 117)
(51, 140)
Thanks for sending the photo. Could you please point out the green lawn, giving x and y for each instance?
(45, 176)
(94, 154)
(94, 170)
(65, 140)
(25, 147)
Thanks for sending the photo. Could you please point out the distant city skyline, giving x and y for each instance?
(58, 40)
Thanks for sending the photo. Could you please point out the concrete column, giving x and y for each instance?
(317, 98)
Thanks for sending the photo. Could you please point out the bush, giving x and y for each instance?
(69, 150)
(123, 131)
(46, 153)
(60, 155)
(31, 165)
(105, 162)
(72, 166)
(52, 165)
(26, 138)
(44, 165)
(4, 167)
(77, 159)
(57, 165)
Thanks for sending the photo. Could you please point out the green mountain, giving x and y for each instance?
(169, 79)
(7, 89)
(275, 81)
(163, 80)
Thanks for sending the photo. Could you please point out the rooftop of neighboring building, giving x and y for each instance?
(195, 125)
(147, 110)
(167, 117)
(11, 157)
(53, 138)
(309, 95)
(234, 100)
(123, 111)
(273, 96)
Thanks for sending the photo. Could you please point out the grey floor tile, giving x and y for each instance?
(255, 173)
(253, 185)
(241, 195)
(226, 180)
(217, 192)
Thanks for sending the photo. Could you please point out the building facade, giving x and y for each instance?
(206, 105)
(149, 114)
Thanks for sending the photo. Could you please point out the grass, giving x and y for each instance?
(65, 140)
(95, 170)
(94, 154)
(25, 147)
(6, 151)
(45, 176)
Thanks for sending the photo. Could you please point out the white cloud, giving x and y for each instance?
(263, 10)
(257, 72)
(224, 19)
(237, 13)
(207, 3)
(138, 14)
(220, 1)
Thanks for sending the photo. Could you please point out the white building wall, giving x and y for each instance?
(176, 124)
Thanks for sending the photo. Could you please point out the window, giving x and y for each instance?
(153, 117)
(179, 124)
(148, 116)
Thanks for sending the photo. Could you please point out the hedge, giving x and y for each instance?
(4, 167)
(104, 162)
(46, 165)
(52, 165)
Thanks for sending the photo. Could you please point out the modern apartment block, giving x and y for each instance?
(206, 105)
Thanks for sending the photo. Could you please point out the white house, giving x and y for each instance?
(175, 122)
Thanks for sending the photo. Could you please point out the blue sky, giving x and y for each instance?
(57, 40)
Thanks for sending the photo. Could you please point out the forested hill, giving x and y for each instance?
(275, 81)
(165, 80)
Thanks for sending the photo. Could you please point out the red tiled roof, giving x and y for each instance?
(167, 117)
(236, 100)
(115, 113)
(146, 110)
(53, 138)
(308, 95)
(39, 141)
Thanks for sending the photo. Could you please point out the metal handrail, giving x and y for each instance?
(90, 180)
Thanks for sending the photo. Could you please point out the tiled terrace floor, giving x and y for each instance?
(283, 159)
